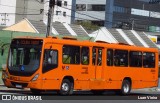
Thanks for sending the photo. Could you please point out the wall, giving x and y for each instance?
(29, 9)
(93, 15)
(7, 12)
(60, 17)
(21, 9)
(35, 7)
(139, 22)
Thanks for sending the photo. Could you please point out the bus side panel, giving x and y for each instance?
(81, 85)
(149, 76)
(113, 84)
(115, 75)
(80, 74)
(52, 78)
(51, 84)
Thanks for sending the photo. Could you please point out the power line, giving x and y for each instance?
(42, 2)
(18, 7)
(38, 1)
(45, 2)
(83, 14)
(19, 14)
(105, 21)
(86, 15)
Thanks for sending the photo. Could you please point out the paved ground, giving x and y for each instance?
(5, 90)
(85, 97)
(85, 94)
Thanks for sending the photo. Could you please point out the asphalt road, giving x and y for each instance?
(149, 91)
(139, 92)
(85, 96)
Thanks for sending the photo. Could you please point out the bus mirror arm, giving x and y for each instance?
(2, 52)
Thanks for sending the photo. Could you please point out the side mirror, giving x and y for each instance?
(2, 52)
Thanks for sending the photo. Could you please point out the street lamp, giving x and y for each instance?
(132, 22)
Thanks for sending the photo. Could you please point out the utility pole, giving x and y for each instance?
(50, 17)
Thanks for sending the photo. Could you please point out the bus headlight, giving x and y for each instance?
(35, 77)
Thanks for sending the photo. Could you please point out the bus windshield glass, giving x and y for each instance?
(24, 58)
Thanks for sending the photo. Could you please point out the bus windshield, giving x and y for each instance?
(24, 59)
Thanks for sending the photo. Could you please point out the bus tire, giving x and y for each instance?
(66, 87)
(126, 87)
(35, 91)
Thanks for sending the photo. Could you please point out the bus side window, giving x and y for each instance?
(94, 56)
(148, 60)
(121, 58)
(135, 59)
(71, 54)
(110, 57)
(85, 55)
(50, 60)
(99, 60)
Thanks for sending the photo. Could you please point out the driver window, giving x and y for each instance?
(50, 60)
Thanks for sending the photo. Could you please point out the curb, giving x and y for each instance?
(154, 89)
(158, 89)
(1, 84)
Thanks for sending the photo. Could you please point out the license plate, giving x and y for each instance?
(18, 86)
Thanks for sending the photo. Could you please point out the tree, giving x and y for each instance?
(88, 25)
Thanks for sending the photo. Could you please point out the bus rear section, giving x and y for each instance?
(137, 65)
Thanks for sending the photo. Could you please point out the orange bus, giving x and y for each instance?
(67, 64)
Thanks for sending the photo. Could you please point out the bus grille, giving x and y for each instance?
(22, 84)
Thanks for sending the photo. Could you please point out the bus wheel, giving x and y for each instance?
(66, 87)
(126, 87)
(36, 91)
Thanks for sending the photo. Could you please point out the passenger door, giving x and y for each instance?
(97, 61)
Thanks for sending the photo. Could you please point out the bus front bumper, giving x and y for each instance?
(21, 84)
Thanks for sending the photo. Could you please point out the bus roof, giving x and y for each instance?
(68, 40)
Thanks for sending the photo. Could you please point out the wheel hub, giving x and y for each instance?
(65, 87)
(126, 88)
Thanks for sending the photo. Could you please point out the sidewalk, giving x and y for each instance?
(158, 89)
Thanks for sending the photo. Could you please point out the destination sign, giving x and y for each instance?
(26, 42)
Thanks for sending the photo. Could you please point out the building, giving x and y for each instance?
(7, 12)
(133, 14)
(126, 37)
(125, 14)
(62, 11)
(72, 11)
(12, 11)
(30, 9)
(91, 10)
(62, 29)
